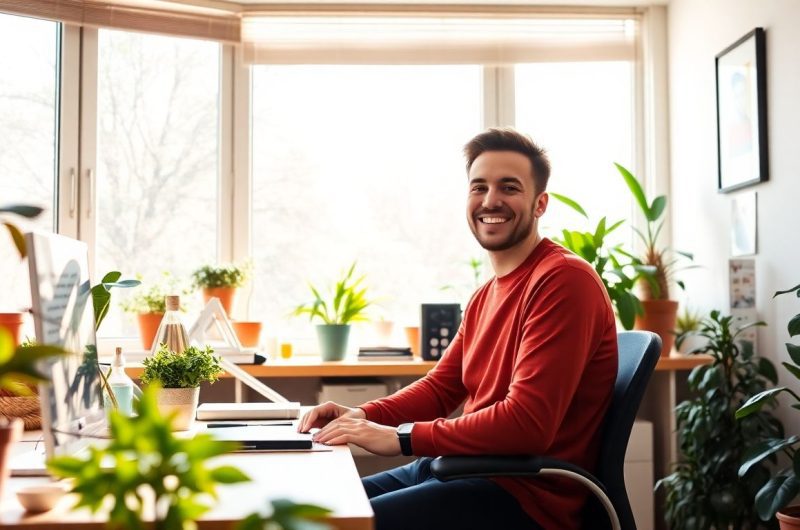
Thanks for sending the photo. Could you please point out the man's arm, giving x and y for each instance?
(564, 324)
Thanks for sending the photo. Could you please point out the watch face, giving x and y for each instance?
(405, 428)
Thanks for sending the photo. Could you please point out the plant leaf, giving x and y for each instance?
(794, 326)
(569, 202)
(657, 208)
(23, 210)
(794, 352)
(793, 289)
(636, 190)
(763, 450)
(18, 238)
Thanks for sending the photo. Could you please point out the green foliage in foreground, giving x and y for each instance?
(705, 490)
(181, 370)
(144, 460)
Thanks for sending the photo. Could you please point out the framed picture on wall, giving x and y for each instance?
(742, 113)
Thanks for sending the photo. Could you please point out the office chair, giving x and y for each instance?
(638, 354)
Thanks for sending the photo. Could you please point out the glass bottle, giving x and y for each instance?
(171, 331)
(121, 385)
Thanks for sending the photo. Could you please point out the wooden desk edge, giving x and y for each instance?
(677, 361)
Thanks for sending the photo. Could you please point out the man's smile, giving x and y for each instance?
(493, 220)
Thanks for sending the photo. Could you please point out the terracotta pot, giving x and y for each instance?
(412, 334)
(789, 518)
(10, 433)
(181, 401)
(659, 317)
(148, 327)
(226, 296)
(249, 333)
(13, 323)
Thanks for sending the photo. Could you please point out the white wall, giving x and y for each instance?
(698, 30)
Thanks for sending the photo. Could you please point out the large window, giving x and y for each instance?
(157, 155)
(28, 68)
(361, 163)
(582, 113)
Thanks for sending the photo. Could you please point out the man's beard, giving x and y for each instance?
(520, 233)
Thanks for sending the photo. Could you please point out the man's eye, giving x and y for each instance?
(478, 189)
(510, 189)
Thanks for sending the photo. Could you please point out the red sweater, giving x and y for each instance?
(535, 359)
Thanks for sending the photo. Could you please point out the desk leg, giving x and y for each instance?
(237, 391)
(658, 407)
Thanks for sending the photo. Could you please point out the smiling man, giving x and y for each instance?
(534, 363)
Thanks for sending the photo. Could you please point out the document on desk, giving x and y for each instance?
(266, 438)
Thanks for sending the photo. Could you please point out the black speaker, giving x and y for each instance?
(439, 326)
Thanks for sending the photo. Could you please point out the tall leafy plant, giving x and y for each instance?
(784, 485)
(656, 286)
(615, 267)
(705, 490)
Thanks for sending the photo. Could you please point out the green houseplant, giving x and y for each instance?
(156, 472)
(687, 324)
(179, 375)
(614, 266)
(784, 485)
(18, 369)
(221, 281)
(704, 491)
(658, 310)
(346, 303)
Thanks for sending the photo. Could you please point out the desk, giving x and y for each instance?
(325, 478)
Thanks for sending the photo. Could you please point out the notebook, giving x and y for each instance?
(248, 411)
(260, 438)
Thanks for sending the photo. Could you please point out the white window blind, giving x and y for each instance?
(435, 38)
(151, 16)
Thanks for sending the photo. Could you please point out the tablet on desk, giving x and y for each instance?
(264, 438)
(248, 411)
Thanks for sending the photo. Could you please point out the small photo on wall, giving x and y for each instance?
(742, 279)
(744, 224)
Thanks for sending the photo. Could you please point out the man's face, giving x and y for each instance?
(502, 205)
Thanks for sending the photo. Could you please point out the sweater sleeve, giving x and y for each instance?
(436, 395)
(564, 320)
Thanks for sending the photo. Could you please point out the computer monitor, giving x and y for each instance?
(72, 405)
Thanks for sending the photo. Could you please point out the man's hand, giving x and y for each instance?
(323, 414)
(375, 438)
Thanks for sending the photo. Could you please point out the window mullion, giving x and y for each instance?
(87, 166)
(68, 124)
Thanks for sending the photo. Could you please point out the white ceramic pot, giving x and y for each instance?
(182, 402)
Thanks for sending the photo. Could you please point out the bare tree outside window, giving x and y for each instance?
(157, 149)
(27, 128)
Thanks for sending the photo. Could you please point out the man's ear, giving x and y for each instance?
(540, 205)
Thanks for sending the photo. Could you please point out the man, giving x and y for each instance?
(535, 359)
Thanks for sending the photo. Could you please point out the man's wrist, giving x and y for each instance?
(404, 435)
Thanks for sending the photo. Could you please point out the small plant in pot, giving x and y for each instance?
(346, 303)
(774, 497)
(221, 281)
(687, 324)
(18, 370)
(659, 311)
(180, 376)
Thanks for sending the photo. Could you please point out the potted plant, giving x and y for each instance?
(347, 303)
(687, 324)
(774, 497)
(179, 375)
(706, 489)
(147, 477)
(12, 321)
(659, 311)
(614, 266)
(149, 307)
(18, 370)
(221, 281)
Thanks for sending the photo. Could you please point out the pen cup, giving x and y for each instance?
(286, 350)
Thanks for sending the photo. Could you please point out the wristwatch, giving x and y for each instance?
(404, 435)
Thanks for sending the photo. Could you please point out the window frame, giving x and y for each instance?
(77, 131)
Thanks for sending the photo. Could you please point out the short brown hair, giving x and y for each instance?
(508, 139)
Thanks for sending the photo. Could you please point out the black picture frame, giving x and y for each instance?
(741, 81)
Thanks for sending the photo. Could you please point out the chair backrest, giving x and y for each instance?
(638, 355)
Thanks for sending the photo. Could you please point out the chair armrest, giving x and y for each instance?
(447, 468)
(454, 467)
